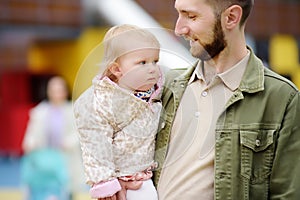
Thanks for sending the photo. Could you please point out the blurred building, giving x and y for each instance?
(25, 24)
(39, 38)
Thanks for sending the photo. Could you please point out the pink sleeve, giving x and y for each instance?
(105, 189)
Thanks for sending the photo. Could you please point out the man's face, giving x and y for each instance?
(198, 24)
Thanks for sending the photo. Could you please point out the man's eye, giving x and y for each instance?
(192, 17)
(142, 62)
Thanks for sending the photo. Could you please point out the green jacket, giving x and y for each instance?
(257, 150)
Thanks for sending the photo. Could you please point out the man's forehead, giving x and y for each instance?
(188, 5)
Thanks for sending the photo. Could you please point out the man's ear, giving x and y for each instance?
(114, 68)
(232, 16)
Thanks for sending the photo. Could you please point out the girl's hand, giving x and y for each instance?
(121, 195)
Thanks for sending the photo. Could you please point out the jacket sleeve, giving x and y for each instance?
(95, 135)
(70, 139)
(285, 177)
(34, 137)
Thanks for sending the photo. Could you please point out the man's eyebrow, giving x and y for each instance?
(186, 11)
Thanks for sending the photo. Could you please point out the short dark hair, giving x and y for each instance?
(221, 5)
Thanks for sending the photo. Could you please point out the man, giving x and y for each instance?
(230, 129)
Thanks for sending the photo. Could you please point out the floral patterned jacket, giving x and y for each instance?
(116, 129)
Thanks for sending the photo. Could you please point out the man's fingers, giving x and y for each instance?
(134, 185)
(131, 185)
(114, 197)
(121, 195)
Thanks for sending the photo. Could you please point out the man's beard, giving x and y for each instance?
(215, 47)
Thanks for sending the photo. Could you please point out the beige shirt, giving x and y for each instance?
(188, 172)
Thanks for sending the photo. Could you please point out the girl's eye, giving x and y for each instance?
(155, 62)
(142, 62)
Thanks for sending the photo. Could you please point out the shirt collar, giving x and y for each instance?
(231, 77)
(197, 74)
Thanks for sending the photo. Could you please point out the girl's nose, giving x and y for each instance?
(152, 68)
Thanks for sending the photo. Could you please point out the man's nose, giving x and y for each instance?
(180, 27)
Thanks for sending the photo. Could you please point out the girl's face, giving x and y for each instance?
(138, 70)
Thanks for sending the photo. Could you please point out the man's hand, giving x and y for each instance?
(126, 185)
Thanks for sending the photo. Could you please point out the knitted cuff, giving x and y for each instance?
(105, 189)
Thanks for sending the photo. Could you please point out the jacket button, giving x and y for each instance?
(257, 143)
(163, 124)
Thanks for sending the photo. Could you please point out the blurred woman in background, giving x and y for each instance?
(51, 167)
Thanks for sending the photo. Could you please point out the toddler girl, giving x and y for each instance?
(117, 117)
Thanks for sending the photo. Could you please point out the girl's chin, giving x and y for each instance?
(145, 88)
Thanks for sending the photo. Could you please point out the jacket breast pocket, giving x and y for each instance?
(257, 154)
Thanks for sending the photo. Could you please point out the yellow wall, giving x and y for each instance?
(67, 57)
(284, 56)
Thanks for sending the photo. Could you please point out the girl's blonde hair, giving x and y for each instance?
(123, 39)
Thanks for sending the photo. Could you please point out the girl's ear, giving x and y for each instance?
(114, 68)
(233, 16)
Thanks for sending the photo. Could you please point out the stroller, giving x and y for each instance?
(44, 173)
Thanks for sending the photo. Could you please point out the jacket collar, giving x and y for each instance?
(253, 78)
(252, 81)
(185, 77)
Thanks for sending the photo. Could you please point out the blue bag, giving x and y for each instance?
(45, 173)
